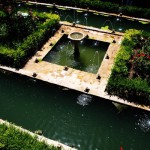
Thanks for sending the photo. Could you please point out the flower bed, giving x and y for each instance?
(130, 78)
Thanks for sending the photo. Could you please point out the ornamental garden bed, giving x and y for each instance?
(22, 34)
(130, 77)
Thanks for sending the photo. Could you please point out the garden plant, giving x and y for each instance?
(22, 34)
(130, 77)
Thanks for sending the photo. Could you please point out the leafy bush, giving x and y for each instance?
(130, 78)
(34, 39)
(2, 14)
(15, 139)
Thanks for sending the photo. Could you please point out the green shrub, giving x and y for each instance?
(134, 53)
(2, 14)
(12, 138)
(29, 45)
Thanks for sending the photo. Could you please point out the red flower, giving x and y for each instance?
(142, 54)
(138, 55)
(133, 57)
(148, 57)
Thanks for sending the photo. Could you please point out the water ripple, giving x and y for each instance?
(144, 123)
(84, 99)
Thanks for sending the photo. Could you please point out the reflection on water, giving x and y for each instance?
(95, 20)
(89, 60)
(144, 123)
(73, 118)
(84, 99)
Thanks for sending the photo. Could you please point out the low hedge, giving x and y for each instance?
(15, 139)
(134, 88)
(17, 58)
(104, 6)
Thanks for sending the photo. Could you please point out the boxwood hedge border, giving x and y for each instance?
(135, 90)
(18, 57)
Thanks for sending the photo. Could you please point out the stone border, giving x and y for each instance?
(39, 137)
(109, 37)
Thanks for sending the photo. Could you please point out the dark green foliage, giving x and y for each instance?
(24, 36)
(102, 5)
(18, 27)
(15, 139)
(2, 14)
(134, 90)
(130, 78)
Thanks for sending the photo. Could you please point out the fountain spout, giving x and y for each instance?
(76, 37)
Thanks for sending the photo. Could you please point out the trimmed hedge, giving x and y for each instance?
(17, 58)
(104, 6)
(15, 139)
(134, 88)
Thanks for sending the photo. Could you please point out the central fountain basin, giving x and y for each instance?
(91, 54)
(76, 36)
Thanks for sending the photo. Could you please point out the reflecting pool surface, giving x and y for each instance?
(91, 54)
(73, 118)
(94, 19)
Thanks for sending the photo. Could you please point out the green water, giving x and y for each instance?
(94, 125)
(97, 126)
(91, 54)
(95, 20)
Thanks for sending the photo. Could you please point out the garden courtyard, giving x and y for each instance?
(56, 72)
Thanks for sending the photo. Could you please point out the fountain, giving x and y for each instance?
(76, 37)
(144, 123)
(84, 99)
(68, 17)
(95, 62)
(112, 27)
(76, 51)
(85, 21)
